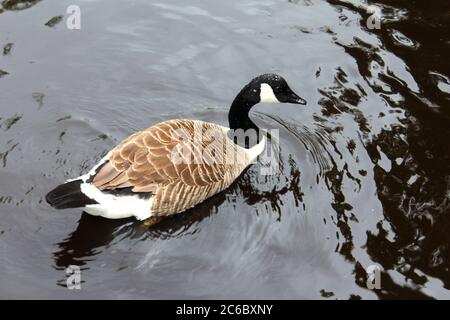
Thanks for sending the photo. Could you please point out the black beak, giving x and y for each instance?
(294, 98)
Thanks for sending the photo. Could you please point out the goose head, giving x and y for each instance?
(266, 88)
(271, 88)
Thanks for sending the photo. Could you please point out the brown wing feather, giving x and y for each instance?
(145, 162)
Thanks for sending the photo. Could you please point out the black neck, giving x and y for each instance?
(238, 117)
(238, 114)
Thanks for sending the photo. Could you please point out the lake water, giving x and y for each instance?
(364, 168)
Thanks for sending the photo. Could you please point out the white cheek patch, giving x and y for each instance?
(266, 94)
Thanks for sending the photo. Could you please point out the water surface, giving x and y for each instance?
(364, 168)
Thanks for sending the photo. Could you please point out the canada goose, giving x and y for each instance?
(151, 174)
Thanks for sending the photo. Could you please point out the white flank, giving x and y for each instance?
(112, 206)
(116, 207)
(266, 94)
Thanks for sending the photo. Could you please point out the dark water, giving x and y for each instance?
(365, 170)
